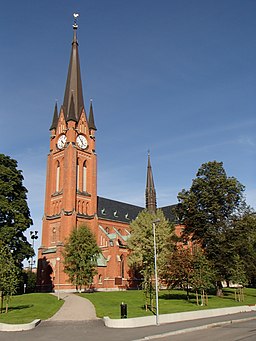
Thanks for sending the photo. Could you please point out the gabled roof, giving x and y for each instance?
(169, 213)
(116, 210)
(113, 210)
(74, 82)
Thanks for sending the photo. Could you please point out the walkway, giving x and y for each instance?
(75, 308)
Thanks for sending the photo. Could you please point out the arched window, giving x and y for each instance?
(100, 279)
(77, 175)
(84, 176)
(122, 266)
(58, 177)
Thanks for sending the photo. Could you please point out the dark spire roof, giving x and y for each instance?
(150, 189)
(55, 118)
(91, 118)
(74, 82)
(71, 115)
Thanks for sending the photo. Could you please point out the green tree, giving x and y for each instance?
(9, 275)
(14, 212)
(80, 257)
(179, 268)
(208, 210)
(202, 278)
(243, 237)
(239, 278)
(141, 246)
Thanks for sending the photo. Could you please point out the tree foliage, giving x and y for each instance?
(14, 212)
(141, 245)
(80, 257)
(208, 211)
(9, 275)
(243, 237)
(188, 268)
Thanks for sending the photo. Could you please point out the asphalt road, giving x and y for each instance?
(241, 331)
(95, 330)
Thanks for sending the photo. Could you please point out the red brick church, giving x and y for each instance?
(71, 194)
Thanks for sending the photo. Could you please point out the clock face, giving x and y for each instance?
(81, 141)
(62, 141)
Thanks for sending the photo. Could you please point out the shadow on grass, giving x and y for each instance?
(20, 307)
(177, 296)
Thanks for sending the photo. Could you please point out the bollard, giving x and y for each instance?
(123, 307)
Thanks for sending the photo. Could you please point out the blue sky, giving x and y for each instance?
(177, 77)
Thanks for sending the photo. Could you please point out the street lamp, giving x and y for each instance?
(33, 236)
(156, 278)
(58, 260)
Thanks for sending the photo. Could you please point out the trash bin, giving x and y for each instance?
(123, 307)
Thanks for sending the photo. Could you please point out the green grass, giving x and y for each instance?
(173, 301)
(26, 308)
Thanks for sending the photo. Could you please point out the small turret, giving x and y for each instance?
(55, 118)
(91, 118)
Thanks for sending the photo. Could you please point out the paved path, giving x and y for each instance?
(75, 308)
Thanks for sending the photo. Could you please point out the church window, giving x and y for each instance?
(84, 176)
(77, 175)
(100, 279)
(122, 266)
(58, 177)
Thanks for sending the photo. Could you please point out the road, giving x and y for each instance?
(241, 331)
(95, 331)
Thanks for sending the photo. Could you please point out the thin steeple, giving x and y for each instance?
(55, 118)
(150, 189)
(91, 118)
(74, 82)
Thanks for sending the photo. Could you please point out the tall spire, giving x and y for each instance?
(150, 189)
(74, 82)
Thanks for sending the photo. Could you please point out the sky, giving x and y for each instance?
(176, 77)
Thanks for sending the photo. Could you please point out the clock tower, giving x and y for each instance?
(71, 180)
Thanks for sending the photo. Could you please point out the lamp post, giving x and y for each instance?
(33, 236)
(156, 278)
(58, 260)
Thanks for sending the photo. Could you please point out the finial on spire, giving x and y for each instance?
(75, 15)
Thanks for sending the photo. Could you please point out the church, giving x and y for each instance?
(71, 195)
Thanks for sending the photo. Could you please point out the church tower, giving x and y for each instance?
(71, 180)
(150, 189)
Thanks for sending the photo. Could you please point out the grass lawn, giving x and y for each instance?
(173, 301)
(26, 308)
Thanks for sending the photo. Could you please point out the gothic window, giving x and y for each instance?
(84, 176)
(122, 266)
(77, 175)
(58, 177)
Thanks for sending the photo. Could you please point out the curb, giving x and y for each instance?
(145, 321)
(193, 329)
(5, 327)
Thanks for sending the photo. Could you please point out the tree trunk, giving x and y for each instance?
(197, 301)
(219, 291)
(2, 301)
